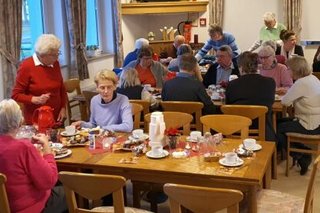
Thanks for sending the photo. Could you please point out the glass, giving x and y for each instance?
(52, 135)
(26, 131)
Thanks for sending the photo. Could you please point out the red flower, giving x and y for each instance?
(172, 132)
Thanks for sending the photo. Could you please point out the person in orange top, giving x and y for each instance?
(39, 81)
(149, 71)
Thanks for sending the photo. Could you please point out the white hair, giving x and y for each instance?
(269, 16)
(141, 42)
(10, 116)
(47, 43)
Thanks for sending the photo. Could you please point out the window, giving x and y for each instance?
(32, 26)
(92, 24)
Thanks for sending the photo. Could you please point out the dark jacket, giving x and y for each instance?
(254, 89)
(297, 50)
(131, 92)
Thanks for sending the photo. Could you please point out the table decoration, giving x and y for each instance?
(172, 137)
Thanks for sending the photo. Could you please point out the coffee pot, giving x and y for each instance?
(43, 118)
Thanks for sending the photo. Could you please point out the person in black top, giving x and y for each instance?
(184, 87)
(316, 61)
(289, 46)
(253, 89)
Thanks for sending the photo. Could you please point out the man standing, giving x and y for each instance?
(269, 32)
(221, 71)
(184, 87)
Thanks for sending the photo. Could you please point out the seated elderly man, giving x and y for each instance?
(141, 42)
(171, 52)
(217, 39)
(221, 71)
(184, 87)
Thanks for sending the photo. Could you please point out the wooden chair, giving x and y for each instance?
(283, 202)
(73, 87)
(190, 107)
(173, 120)
(226, 124)
(88, 95)
(146, 108)
(311, 140)
(4, 203)
(136, 112)
(252, 112)
(202, 199)
(94, 187)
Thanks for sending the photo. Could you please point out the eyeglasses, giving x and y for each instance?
(264, 57)
(55, 54)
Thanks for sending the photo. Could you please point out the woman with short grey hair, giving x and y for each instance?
(39, 81)
(32, 174)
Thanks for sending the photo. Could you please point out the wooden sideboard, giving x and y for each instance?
(160, 46)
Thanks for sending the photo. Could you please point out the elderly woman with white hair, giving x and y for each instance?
(39, 80)
(272, 69)
(31, 175)
(109, 110)
(304, 95)
(140, 42)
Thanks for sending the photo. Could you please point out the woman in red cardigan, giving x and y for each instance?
(39, 80)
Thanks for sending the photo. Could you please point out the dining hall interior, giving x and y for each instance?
(161, 150)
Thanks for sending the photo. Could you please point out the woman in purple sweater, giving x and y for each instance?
(109, 110)
(31, 175)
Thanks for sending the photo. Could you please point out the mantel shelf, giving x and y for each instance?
(164, 7)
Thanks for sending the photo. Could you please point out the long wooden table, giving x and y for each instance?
(253, 174)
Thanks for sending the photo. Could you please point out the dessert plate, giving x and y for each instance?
(223, 162)
(64, 133)
(142, 138)
(69, 152)
(257, 147)
(164, 154)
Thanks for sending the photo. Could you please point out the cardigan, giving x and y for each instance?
(280, 75)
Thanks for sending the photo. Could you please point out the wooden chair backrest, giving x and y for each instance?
(72, 86)
(190, 107)
(92, 187)
(226, 124)
(146, 108)
(202, 199)
(308, 205)
(4, 203)
(88, 95)
(252, 112)
(173, 120)
(136, 113)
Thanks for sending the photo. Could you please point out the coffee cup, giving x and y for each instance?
(157, 150)
(137, 133)
(249, 143)
(231, 157)
(70, 130)
(195, 135)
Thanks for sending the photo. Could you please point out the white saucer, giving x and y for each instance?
(223, 162)
(69, 152)
(256, 148)
(144, 137)
(164, 154)
(189, 139)
(64, 133)
(56, 145)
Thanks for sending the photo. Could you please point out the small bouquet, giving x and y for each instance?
(172, 134)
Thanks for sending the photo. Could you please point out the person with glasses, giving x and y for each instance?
(39, 81)
(271, 68)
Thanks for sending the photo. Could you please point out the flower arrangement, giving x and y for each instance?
(172, 132)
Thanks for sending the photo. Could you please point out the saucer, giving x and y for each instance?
(56, 145)
(164, 154)
(64, 133)
(142, 138)
(223, 162)
(189, 139)
(257, 147)
(69, 152)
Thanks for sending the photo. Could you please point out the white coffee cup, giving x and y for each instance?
(137, 133)
(70, 130)
(249, 143)
(232, 77)
(231, 157)
(195, 135)
(157, 150)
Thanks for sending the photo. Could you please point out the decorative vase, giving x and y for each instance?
(172, 141)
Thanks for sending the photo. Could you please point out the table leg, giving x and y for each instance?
(252, 199)
(136, 195)
(267, 177)
(274, 165)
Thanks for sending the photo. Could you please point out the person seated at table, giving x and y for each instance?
(149, 71)
(316, 61)
(253, 89)
(289, 46)
(171, 52)
(217, 39)
(31, 173)
(109, 110)
(271, 68)
(174, 63)
(141, 42)
(39, 81)
(184, 87)
(304, 95)
(280, 58)
(221, 71)
(130, 86)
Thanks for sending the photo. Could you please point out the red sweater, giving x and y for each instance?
(30, 177)
(37, 80)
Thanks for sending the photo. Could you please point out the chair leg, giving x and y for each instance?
(288, 157)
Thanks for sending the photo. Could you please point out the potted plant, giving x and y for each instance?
(93, 50)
